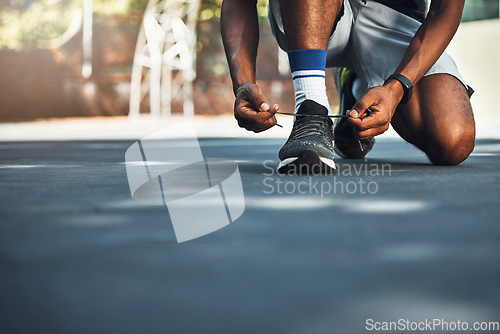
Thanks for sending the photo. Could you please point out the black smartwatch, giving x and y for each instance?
(407, 86)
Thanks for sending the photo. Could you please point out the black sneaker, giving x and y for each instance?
(346, 145)
(309, 149)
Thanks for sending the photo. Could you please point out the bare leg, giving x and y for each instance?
(438, 120)
(308, 23)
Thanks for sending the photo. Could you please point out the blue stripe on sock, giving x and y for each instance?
(307, 76)
(307, 59)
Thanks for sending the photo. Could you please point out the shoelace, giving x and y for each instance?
(317, 125)
(300, 115)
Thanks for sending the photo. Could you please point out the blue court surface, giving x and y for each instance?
(387, 238)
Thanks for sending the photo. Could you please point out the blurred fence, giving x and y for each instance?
(40, 83)
(47, 82)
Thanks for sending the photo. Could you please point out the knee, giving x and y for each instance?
(453, 146)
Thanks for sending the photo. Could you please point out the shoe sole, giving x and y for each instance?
(308, 162)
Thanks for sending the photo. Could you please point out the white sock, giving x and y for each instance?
(308, 73)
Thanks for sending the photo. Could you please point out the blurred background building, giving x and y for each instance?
(42, 57)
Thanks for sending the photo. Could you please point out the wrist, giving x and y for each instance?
(239, 87)
(240, 80)
(405, 84)
(396, 89)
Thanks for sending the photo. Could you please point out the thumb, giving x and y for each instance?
(360, 107)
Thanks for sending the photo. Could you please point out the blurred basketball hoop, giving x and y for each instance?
(165, 58)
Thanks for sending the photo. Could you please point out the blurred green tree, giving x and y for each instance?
(30, 23)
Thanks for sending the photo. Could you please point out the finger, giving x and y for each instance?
(255, 120)
(354, 113)
(363, 123)
(367, 134)
(271, 121)
(245, 117)
(358, 113)
(275, 108)
(259, 127)
(364, 134)
(256, 98)
(252, 120)
(375, 119)
(263, 116)
(253, 106)
(359, 110)
(245, 112)
(370, 133)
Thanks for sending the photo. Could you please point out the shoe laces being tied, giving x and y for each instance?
(312, 125)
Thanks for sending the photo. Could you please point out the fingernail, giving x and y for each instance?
(353, 113)
(264, 107)
(277, 108)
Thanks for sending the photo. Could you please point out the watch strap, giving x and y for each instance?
(406, 83)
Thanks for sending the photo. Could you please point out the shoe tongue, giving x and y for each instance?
(310, 107)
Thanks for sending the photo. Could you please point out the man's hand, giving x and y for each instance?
(250, 109)
(382, 102)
